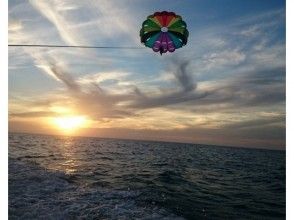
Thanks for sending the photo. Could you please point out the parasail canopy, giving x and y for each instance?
(164, 31)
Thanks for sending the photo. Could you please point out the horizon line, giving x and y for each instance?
(146, 140)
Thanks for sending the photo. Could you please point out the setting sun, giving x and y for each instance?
(69, 123)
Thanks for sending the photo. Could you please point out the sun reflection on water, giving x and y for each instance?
(68, 162)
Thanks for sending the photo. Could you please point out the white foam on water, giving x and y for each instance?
(36, 193)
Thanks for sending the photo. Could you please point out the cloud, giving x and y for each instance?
(186, 91)
(14, 25)
(64, 77)
(51, 10)
(251, 31)
(247, 90)
(103, 76)
(222, 58)
(184, 78)
(92, 100)
(248, 41)
(258, 123)
(95, 18)
(34, 114)
(263, 87)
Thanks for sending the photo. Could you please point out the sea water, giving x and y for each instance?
(55, 177)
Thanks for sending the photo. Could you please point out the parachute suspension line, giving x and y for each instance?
(68, 46)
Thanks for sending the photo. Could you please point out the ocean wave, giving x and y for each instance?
(37, 193)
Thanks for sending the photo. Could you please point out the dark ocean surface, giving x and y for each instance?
(54, 177)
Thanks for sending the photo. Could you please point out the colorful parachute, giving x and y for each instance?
(164, 31)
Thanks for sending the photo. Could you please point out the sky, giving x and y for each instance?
(225, 87)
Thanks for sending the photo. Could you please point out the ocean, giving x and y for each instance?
(56, 177)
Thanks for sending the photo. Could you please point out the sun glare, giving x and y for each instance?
(69, 123)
